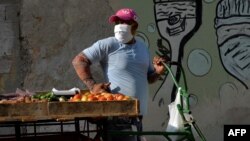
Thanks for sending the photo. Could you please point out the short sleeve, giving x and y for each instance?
(150, 67)
(95, 53)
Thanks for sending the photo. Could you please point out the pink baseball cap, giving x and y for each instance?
(125, 14)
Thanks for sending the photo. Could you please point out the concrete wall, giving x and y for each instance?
(9, 44)
(51, 33)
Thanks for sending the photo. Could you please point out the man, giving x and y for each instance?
(125, 61)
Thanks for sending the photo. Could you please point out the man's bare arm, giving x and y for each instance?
(82, 67)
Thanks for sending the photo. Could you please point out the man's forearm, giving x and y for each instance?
(89, 82)
(82, 68)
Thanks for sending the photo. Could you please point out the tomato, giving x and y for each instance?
(110, 98)
(119, 96)
(77, 97)
(92, 98)
(84, 98)
(102, 98)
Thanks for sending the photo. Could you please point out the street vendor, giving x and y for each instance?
(125, 60)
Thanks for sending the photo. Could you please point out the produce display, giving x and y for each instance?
(20, 96)
(49, 96)
(27, 97)
(28, 106)
(99, 97)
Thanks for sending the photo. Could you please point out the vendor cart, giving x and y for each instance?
(47, 114)
(80, 115)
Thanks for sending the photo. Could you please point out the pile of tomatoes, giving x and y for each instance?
(99, 97)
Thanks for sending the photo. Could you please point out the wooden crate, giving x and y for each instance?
(23, 111)
(69, 110)
(66, 110)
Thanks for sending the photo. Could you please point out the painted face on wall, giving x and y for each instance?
(235, 56)
(176, 21)
(174, 17)
(233, 38)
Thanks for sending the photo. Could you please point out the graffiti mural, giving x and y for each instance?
(208, 39)
(232, 24)
(176, 21)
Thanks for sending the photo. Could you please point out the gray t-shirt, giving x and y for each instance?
(125, 66)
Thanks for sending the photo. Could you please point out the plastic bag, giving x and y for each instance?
(175, 123)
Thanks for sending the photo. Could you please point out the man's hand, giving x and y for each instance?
(100, 88)
(158, 66)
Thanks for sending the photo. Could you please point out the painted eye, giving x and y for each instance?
(174, 19)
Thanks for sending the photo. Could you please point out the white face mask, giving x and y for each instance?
(123, 33)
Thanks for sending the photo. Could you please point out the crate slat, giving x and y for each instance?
(66, 110)
(94, 108)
